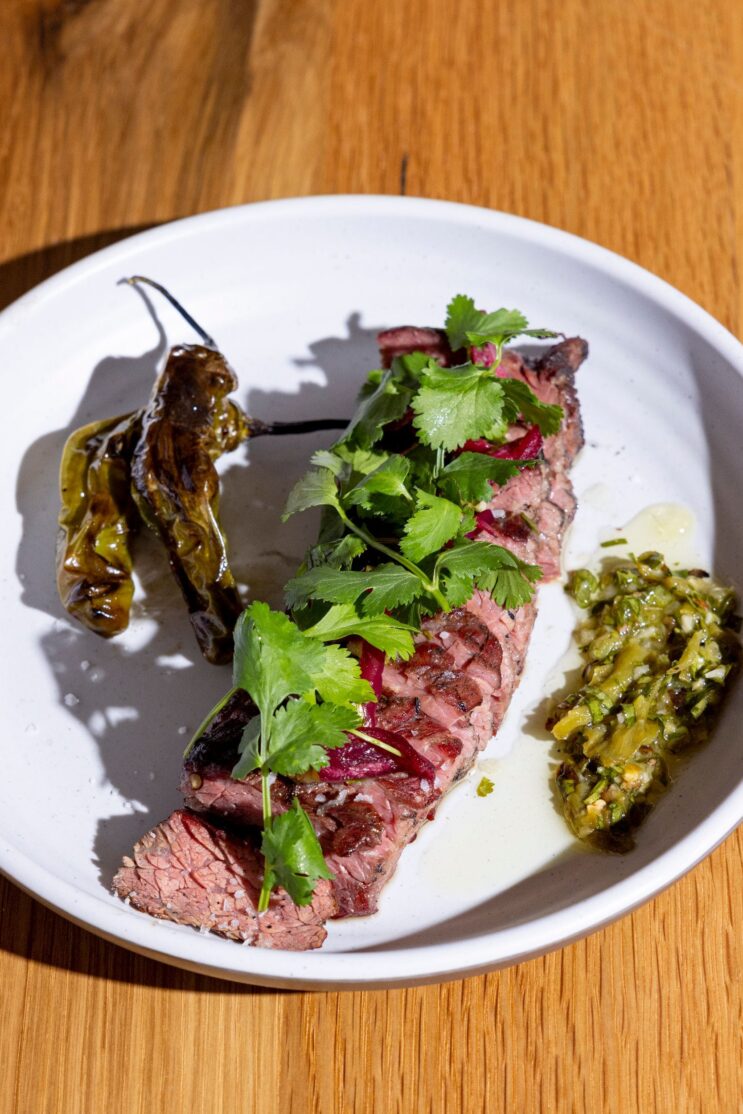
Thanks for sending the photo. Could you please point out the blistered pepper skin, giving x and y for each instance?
(187, 425)
(157, 465)
(97, 519)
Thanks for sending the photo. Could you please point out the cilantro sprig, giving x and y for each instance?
(454, 405)
(379, 589)
(307, 691)
(435, 565)
(460, 404)
(467, 478)
(399, 494)
(466, 325)
(391, 518)
(320, 488)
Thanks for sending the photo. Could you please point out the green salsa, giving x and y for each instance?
(660, 647)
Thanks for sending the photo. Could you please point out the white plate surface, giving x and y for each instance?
(295, 291)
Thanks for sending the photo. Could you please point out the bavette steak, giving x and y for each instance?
(448, 700)
(190, 871)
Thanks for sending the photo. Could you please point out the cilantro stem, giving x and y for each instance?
(400, 558)
(208, 719)
(266, 801)
(376, 742)
(440, 460)
(263, 750)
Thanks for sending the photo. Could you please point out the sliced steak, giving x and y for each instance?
(206, 784)
(452, 695)
(189, 871)
(410, 338)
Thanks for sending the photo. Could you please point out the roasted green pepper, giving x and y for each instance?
(158, 464)
(188, 424)
(94, 564)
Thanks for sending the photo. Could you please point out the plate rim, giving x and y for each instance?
(433, 962)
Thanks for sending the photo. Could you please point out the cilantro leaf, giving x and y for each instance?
(386, 403)
(387, 586)
(327, 584)
(467, 478)
(294, 858)
(384, 632)
(387, 479)
(249, 750)
(458, 589)
(474, 557)
(391, 586)
(509, 587)
(362, 461)
(316, 489)
(275, 659)
(372, 381)
(337, 554)
(338, 679)
(461, 318)
(408, 368)
(466, 325)
(540, 334)
(526, 404)
(434, 523)
(299, 736)
(497, 327)
(345, 551)
(326, 458)
(455, 405)
(487, 566)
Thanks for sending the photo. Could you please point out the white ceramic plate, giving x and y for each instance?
(295, 291)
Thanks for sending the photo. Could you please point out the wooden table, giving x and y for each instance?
(619, 120)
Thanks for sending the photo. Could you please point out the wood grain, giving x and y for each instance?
(620, 121)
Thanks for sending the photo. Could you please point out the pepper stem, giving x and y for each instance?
(277, 429)
(135, 279)
(256, 427)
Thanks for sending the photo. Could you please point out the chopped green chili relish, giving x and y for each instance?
(660, 647)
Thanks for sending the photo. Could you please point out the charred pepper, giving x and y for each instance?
(187, 426)
(157, 465)
(94, 564)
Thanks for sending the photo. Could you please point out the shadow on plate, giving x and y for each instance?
(118, 690)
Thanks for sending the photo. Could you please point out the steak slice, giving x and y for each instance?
(189, 871)
(451, 697)
(411, 338)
